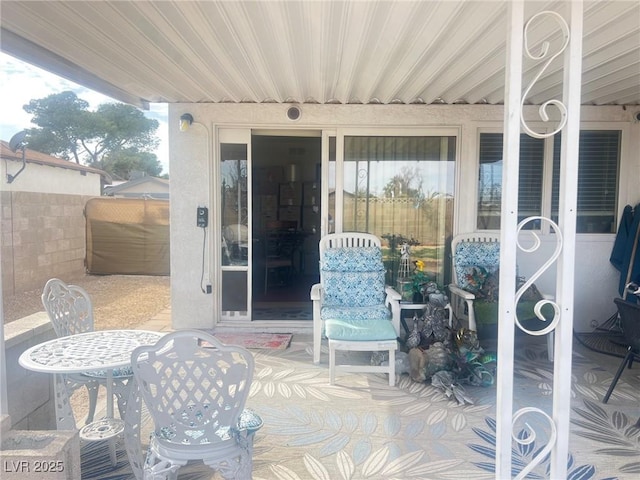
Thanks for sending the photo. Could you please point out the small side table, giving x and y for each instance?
(405, 305)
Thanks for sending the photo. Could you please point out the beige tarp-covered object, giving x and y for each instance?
(127, 236)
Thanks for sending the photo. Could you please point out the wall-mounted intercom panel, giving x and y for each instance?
(202, 219)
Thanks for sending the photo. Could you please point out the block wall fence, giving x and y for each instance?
(43, 236)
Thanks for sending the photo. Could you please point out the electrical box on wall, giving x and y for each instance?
(202, 218)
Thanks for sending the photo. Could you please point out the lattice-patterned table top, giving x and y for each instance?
(104, 349)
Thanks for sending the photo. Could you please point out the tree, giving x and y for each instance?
(117, 137)
(402, 184)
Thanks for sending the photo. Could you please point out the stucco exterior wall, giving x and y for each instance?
(192, 163)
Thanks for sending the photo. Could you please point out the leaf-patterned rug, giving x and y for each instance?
(361, 428)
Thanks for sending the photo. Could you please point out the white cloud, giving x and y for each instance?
(21, 82)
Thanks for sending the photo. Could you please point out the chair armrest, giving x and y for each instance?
(316, 292)
(392, 300)
(392, 294)
(455, 290)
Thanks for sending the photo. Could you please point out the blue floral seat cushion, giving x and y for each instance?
(248, 421)
(375, 312)
(360, 330)
(122, 372)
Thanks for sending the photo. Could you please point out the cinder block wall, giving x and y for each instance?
(43, 236)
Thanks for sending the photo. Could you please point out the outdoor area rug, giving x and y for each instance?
(363, 429)
(609, 343)
(268, 341)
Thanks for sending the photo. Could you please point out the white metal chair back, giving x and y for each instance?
(195, 389)
(469, 238)
(68, 306)
(348, 239)
(70, 311)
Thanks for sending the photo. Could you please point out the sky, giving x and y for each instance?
(22, 82)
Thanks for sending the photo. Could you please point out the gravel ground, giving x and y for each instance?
(119, 301)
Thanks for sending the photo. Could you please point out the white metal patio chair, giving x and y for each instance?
(352, 304)
(70, 311)
(195, 389)
(475, 257)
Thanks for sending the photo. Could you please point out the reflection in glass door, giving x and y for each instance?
(236, 247)
(401, 188)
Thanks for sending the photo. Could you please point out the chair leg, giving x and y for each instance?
(550, 345)
(626, 360)
(332, 364)
(92, 390)
(392, 367)
(317, 336)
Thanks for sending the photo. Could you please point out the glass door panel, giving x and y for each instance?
(235, 230)
(401, 188)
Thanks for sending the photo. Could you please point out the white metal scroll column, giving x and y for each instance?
(567, 222)
(508, 222)
(569, 124)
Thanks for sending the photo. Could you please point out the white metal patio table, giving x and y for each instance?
(98, 352)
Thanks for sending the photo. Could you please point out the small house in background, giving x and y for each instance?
(140, 186)
(44, 173)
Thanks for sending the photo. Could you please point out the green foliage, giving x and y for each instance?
(117, 137)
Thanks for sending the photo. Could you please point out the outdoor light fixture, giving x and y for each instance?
(16, 143)
(186, 119)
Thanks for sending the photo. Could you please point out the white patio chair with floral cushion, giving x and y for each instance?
(474, 288)
(195, 389)
(70, 311)
(352, 305)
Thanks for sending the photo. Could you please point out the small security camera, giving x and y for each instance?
(636, 116)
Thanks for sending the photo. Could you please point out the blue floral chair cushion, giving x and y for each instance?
(474, 261)
(362, 259)
(354, 287)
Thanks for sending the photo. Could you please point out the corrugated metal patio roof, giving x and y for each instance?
(315, 51)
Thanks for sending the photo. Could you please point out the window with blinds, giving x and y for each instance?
(599, 160)
(490, 180)
(598, 178)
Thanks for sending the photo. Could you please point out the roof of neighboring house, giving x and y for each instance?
(39, 158)
(160, 191)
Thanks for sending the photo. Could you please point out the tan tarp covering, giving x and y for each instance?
(127, 236)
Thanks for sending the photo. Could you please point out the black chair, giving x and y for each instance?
(280, 245)
(630, 325)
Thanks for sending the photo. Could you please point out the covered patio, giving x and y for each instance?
(362, 428)
(449, 70)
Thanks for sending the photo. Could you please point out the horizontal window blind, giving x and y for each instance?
(598, 167)
(490, 178)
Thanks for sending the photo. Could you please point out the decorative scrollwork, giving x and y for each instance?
(530, 437)
(541, 303)
(550, 57)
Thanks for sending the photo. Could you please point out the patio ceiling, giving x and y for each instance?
(314, 51)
